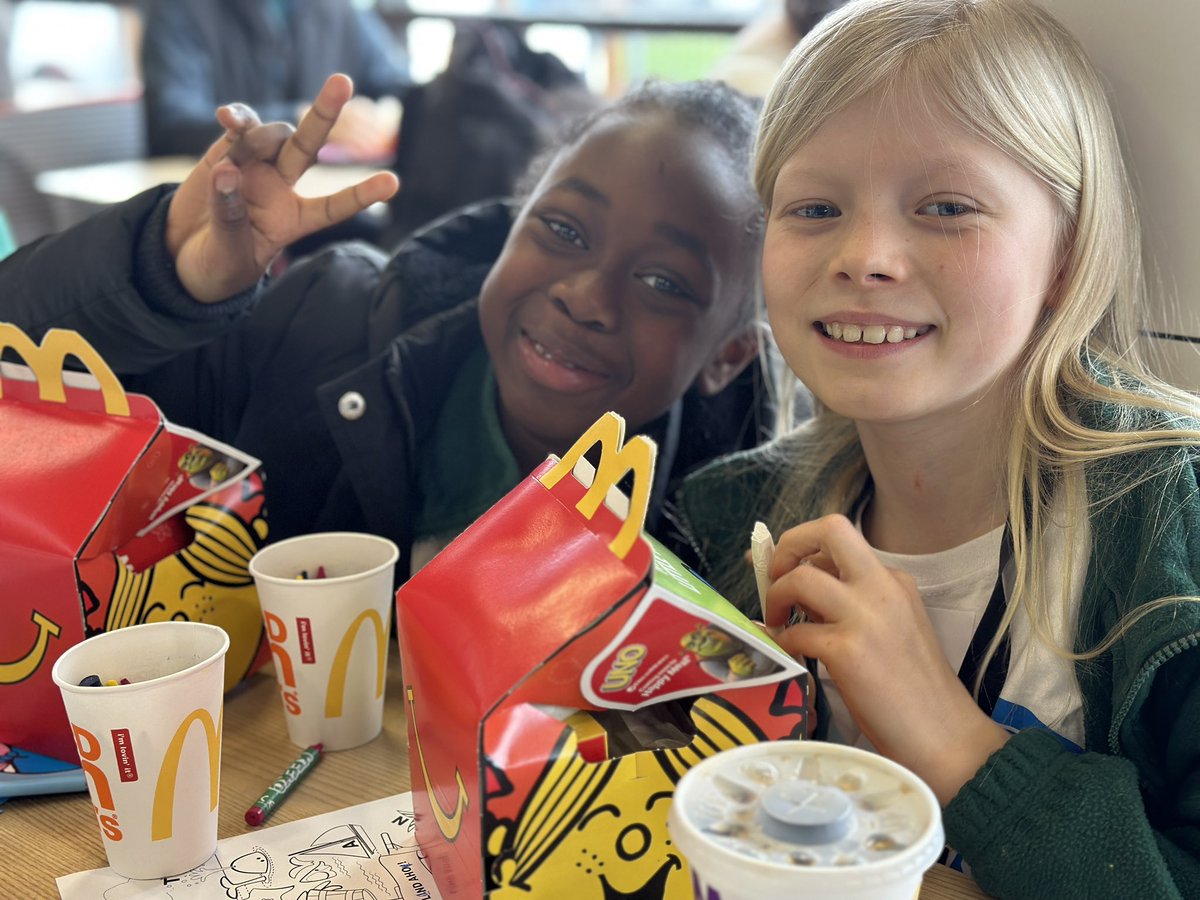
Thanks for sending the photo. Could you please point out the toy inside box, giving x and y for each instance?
(563, 670)
(109, 516)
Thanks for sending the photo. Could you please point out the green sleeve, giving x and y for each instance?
(1041, 820)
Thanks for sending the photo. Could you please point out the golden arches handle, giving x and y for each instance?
(46, 362)
(616, 458)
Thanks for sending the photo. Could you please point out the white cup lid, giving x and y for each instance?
(805, 806)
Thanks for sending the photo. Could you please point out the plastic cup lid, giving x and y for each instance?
(806, 806)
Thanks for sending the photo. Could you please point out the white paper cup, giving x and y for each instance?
(329, 635)
(151, 749)
(795, 819)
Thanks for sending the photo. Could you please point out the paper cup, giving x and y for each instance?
(150, 749)
(329, 635)
(790, 819)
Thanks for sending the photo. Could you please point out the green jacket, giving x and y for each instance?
(1122, 818)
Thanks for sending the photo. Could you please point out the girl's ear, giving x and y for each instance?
(731, 357)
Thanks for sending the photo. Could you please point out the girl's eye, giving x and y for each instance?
(945, 209)
(817, 211)
(663, 284)
(563, 231)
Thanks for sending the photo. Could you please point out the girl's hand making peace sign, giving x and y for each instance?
(238, 208)
(869, 627)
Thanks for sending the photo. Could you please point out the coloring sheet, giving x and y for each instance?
(366, 852)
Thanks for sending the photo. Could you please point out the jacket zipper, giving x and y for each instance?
(1187, 642)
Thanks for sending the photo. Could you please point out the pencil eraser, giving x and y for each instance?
(254, 816)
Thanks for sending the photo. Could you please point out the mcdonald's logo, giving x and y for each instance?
(276, 638)
(162, 816)
(616, 458)
(21, 668)
(335, 690)
(89, 750)
(46, 363)
(449, 823)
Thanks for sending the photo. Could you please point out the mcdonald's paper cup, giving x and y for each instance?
(790, 819)
(327, 603)
(150, 749)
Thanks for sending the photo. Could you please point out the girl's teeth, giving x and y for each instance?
(871, 334)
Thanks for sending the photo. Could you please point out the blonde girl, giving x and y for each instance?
(992, 524)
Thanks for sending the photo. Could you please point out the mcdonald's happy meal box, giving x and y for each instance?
(109, 516)
(562, 671)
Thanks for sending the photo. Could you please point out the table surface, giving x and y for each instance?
(113, 182)
(56, 835)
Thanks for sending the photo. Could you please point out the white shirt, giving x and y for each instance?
(1040, 688)
(956, 585)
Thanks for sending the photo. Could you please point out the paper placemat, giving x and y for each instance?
(368, 850)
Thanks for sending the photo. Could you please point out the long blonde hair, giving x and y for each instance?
(1008, 73)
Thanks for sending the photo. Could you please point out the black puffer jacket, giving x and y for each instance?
(332, 375)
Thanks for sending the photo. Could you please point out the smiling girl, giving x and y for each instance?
(990, 524)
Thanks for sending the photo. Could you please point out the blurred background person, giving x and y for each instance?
(759, 49)
(269, 54)
(472, 131)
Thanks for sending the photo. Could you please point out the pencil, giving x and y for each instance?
(265, 805)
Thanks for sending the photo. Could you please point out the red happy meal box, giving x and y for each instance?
(562, 672)
(109, 516)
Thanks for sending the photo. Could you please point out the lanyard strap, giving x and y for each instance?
(989, 624)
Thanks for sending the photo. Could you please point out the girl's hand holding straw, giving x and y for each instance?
(868, 625)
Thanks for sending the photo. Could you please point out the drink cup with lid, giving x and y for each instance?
(792, 819)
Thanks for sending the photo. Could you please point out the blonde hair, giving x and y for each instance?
(1008, 73)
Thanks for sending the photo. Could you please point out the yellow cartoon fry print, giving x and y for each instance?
(598, 831)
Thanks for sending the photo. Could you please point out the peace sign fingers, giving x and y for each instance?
(300, 151)
(321, 212)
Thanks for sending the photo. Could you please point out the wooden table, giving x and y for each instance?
(55, 835)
